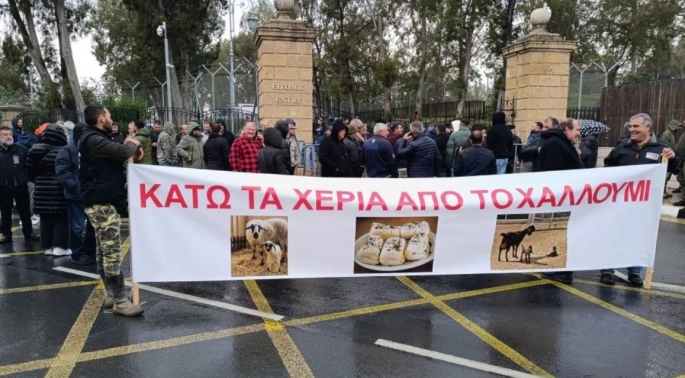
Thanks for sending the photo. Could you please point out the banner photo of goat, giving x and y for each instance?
(523, 241)
(222, 226)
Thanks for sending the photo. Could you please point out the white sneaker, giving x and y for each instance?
(35, 219)
(57, 251)
(49, 252)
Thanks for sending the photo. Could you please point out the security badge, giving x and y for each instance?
(652, 156)
(15, 159)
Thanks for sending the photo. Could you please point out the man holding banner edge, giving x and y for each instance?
(103, 188)
(642, 147)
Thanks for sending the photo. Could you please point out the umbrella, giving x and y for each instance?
(590, 127)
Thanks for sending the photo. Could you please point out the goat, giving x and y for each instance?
(513, 240)
(260, 231)
(526, 253)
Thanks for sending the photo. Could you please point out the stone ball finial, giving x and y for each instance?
(284, 7)
(539, 19)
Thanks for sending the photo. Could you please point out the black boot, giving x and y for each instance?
(607, 279)
(122, 305)
(109, 295)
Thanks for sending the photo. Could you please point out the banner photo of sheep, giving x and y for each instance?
(530, 241)
(259, 246)
(395, 244)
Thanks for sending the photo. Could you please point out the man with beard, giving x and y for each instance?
(103, 187)
(13, 187)
(190, 148)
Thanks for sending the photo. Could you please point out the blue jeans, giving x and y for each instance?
(168, 164)
(445, 172)
(77, 220)
(501, 166)
(631, 270)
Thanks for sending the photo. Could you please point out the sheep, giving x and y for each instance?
(273, 256)
(513, 239)
(259, 231)
(526, 253)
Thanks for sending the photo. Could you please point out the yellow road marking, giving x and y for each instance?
(25, 366)
(173, 342)
(27, 289)
(481, 333)
(21, 254)
(292, 357)
(125, 247)
(615, 309)
(635, 289)
(15, 228)
(63, 364)
(355, 312)
(185, 340)
(65, 361)
(490, 290)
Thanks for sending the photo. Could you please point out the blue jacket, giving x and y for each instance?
(423, 157)
(378, 157)
(475, 161)
(67, 167)
(22, 137)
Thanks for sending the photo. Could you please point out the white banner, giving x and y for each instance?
(200, 225)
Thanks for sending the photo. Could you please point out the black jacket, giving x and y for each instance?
(499, 139)
(283, 128)
(355, 156)
(13, 166)
(230, 138)
(102, 170)
(216, 152)
(48, 197)
(529, 152)
(423, 158)
(271, 158)
(117, 138)
(475, 161)
(333, 156)
(441, 141)
(589, 149)
(629, 153)
(558, 153)
(66, 166)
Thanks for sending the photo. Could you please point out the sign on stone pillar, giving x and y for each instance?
(537, 73)
(284, 52)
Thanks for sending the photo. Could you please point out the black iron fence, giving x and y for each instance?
(180, 116)
(444, 112)
(33, 118)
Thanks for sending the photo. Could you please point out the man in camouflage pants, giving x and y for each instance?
(103, 189)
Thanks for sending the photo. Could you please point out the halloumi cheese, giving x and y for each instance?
(393, 251)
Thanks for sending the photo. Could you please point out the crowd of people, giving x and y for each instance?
(73, 175)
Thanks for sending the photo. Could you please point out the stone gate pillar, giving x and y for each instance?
(7, 112)
(284, 51)
(537, 74)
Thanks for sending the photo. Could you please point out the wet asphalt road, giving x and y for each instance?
(51, 324)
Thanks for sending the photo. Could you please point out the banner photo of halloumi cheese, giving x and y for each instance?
(199, 225)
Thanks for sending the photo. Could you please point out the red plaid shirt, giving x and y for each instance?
(244, 152)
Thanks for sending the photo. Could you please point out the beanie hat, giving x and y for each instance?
(351, 130)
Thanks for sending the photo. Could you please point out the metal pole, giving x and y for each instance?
(580, 93)
(231, 57)
(168, 80)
